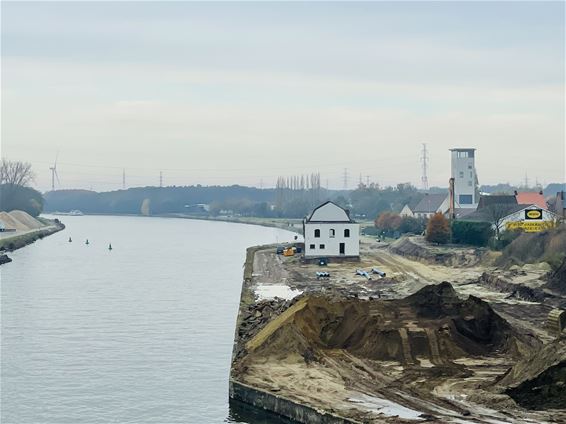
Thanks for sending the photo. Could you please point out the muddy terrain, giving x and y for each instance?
(433, 340)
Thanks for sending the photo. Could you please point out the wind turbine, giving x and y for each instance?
(54, 173)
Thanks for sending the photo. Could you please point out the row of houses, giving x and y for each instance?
(529, 211)
(329, 231)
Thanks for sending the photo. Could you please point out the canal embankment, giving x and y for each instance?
(412, 346)
(19, 229)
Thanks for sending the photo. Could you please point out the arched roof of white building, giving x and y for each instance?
(329, 212)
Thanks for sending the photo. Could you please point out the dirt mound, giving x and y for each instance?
(255, 317)
(515, 290)
(417, 248)
(557, 278)
(539, 381)
(433, 324)
(26, 219)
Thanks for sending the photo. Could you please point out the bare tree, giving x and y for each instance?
(15, 173)
(495, 214)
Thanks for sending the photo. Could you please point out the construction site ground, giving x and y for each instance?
(434, 379)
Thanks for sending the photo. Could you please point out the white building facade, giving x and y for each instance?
(466, 193)
(529, 218)
(330, 232)
(407, 211)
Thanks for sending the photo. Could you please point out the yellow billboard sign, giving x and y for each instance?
(529, 226)
(533, 214)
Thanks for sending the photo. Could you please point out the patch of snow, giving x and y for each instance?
(271, 291)
(385, 406)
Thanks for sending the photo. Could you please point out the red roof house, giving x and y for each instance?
(531, 198)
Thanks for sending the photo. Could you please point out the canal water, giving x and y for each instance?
(139, 334)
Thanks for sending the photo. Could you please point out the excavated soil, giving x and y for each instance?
(433, 324)
(419, 354)
(557, 278)
(417, 248)
(539, 381)
(395, 349)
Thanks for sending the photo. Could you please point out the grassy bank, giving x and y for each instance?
(545, 246)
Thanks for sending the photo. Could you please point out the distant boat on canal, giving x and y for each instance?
(74, 212)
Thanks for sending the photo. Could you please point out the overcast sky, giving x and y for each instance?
(223, 93)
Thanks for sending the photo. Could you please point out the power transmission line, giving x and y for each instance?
(424, 161)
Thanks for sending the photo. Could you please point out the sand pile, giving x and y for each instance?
(12, 223)
(420, 352)
(19, 220)
(26, 219)
(433, 324)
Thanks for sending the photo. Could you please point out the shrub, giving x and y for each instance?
(388, 222)
(505, 239)
(412, 225)
(547, 246)
(371, 231)
(438, 229)
(474, 233)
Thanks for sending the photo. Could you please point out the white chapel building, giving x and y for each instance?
(330, 232)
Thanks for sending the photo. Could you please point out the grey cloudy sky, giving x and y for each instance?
(222, 93)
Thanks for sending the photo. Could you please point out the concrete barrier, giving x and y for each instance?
(282, 406)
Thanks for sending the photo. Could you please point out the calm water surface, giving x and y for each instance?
(139, 334)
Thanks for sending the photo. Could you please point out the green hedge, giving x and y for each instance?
(474, 233)
(371, 231)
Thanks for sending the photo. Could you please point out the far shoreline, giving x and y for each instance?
(291, 224)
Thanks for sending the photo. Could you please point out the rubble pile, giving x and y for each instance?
(254, 318)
